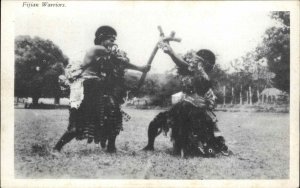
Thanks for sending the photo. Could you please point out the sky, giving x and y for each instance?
(228, 30)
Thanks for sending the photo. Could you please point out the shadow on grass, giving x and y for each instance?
(40, 149)
(46, 106)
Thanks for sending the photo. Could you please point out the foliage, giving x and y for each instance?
(170, 86)
(276, 49)
(38, 63)
(267, 66)
(159, 87)
(219, 78)
(248, 72)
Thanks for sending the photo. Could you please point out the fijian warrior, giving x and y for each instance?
(192, 119)
(96, 92)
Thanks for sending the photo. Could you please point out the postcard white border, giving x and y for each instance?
(7, 110)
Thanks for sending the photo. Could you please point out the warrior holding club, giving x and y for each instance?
(97, 91)
(191, 119)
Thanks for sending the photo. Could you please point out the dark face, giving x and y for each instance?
(208, 67)
(108, 43)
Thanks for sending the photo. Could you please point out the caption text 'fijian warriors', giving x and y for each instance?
(42, 4)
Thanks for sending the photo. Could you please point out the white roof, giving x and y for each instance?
(272, 92)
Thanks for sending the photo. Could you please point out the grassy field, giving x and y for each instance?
(259, 141)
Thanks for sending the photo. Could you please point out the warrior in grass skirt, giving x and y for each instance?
(96, 93)
(192, 119)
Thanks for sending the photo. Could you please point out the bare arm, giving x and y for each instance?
(177, 59)
(122, 56)
(93, 54)
(138, 68)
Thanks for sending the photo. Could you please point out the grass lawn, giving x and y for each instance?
(259, 141)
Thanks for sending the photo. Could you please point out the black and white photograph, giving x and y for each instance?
(150, 94)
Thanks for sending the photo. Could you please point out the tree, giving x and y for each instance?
(159, 87)
(168, 87)
(276, 50)
(38, 63)
(152, 85)
(149, 87)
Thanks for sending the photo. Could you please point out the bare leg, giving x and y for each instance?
(111, 147)
(154, 129)
(103, 142)
(66, 138)
(71, 132)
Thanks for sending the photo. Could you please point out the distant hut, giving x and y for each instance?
(273, 95)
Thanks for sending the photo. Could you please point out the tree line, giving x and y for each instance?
(39, 62)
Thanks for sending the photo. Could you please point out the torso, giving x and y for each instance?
(91, 70)
(193, 79)
(112, 71)
(106, 68)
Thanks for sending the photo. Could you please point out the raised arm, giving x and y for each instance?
(177, 59)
